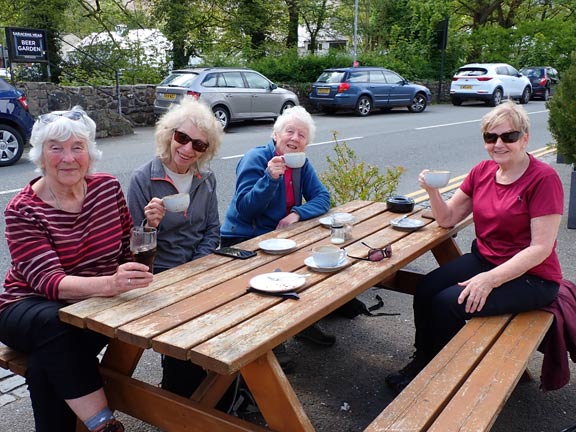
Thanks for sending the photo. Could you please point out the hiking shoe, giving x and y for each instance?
(287, 363)
(111, 426)
(399, 380)
(316, 335)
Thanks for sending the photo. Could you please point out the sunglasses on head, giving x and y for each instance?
(51, 117)
(183, 139)
(375, 254)
(507, 137)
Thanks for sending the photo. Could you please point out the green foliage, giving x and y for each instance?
(562, 118)
(348, 179)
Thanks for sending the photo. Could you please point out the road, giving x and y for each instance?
(342, 388)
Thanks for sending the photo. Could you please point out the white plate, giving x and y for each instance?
(312, 264)
(326, 221)
(277, 282)
(277, 246)
(407, 224)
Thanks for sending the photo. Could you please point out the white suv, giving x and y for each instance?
(489, 82)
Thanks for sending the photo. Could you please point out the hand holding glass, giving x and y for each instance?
(143, 245)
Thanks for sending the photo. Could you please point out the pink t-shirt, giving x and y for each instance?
(502, 213)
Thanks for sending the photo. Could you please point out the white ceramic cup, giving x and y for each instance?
(437, 179)
(328, 255)
(294, 160)
(177, 202)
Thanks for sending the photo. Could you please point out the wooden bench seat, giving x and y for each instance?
(13, 360)
(466, 385)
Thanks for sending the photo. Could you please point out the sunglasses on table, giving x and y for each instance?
(52, 117)
(506, 137)
(376, 254)
(183, 139)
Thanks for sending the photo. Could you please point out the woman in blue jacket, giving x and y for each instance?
(270, 195)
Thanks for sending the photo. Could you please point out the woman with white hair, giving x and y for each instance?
(68, 232)
(271, 195)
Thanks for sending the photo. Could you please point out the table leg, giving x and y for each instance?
(211, 390)
(274, 395)
(446, 251)
(121, 357)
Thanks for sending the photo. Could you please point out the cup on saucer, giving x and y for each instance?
(328, 255)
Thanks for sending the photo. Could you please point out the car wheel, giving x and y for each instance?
(11, 145)
(525, 98)
(418, 104)
(222, 115)
(546, 94)
(496, 98)
(456, 101)
(287, 105)
(364, 106)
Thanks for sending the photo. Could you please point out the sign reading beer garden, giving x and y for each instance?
(26, 45)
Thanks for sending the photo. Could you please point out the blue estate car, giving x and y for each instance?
(15, 123)
(364, 89)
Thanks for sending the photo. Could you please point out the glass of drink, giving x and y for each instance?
(143, 245)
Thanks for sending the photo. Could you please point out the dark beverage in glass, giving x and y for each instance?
(145, 256)
(143, 245)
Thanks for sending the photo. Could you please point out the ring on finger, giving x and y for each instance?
(129, 281)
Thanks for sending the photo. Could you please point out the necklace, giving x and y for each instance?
(53, 195)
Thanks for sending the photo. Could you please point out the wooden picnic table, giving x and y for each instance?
(201, 311)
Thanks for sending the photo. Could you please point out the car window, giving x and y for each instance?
(472, 72)
(502, 70)
(4, 85)
(256, 81)
(331, 77)
(180, 80)
(512, 70)
(393, 78)
(211, 80)
(358, 76)
(233, 79)
(377, 77)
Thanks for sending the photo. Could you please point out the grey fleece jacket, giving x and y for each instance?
(182, 237)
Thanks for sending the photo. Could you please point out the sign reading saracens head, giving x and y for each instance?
(26, 45)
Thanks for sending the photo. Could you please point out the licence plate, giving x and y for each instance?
(466, 87)
(323, 91)
(169, 96)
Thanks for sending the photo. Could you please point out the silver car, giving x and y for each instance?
(234, 94)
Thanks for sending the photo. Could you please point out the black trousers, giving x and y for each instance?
(62, 362)
(438, 316)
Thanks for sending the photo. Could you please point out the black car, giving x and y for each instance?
(15, 123)
(543, 79)
(364, 89)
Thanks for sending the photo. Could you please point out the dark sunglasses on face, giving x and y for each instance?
(51, 117)
(183, 139)
(375, 254)
(506, 137)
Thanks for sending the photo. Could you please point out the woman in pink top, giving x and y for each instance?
(517, 204)
(68, 233)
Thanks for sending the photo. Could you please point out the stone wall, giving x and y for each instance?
(101, 104)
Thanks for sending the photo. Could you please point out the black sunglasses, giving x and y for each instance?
(183, 139)
(507, 137)
(375, 254)
(51, 117)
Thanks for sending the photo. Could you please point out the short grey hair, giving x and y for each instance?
(200, 115)
(296, 113)
(60, 126)
(507, 111)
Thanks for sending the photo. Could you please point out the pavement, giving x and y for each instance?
(342, 387)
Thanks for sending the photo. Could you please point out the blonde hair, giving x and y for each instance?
(507, 111)
(200, 115)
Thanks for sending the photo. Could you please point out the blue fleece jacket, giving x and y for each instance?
(259, 201)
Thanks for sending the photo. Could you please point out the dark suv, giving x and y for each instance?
(543, 80)
(365, 89)
(15, 123)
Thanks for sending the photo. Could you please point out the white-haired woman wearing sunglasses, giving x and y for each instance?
(68, 232)
(517, 204)
(187, 138)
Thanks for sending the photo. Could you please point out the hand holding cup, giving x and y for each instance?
(435, 179)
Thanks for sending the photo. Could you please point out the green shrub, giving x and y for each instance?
(562, 118)
(348, 179)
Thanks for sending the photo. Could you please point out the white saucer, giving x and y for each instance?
(277, 282)
(277, 246)
(312, 264)
(326, 222)
(407, 224)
